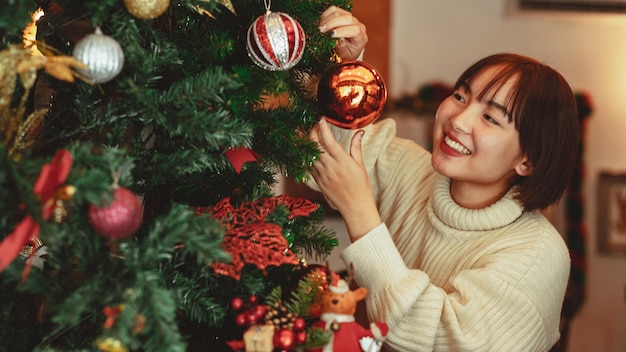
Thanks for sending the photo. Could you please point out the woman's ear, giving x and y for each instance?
(524, 168)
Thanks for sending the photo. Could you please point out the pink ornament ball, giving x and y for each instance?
(119, 219)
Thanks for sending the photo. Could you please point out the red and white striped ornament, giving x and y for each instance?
(275, 41)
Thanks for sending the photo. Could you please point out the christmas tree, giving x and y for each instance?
(140, 144)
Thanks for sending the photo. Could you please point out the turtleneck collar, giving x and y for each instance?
(445, 210)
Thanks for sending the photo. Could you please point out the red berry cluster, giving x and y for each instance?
(290, 330)
(250, 315)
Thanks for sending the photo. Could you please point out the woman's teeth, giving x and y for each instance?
(456, 146)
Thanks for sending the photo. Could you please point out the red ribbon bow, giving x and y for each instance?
(52, 176)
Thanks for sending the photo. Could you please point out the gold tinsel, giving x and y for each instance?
(16, 63)
(111, 344)
(227, 3)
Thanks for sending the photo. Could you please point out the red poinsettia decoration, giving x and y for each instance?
(250, 239)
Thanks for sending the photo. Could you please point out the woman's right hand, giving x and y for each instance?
(343, 179)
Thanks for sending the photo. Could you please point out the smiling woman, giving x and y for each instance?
(447, 235)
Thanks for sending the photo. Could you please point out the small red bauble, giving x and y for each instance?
(285, 339)
(252, 318)
(351, 94)
(299, 324)
(118, 220)
(241, 319)
(236, 303)
(301, 337)
(260, 310)
(275, 41)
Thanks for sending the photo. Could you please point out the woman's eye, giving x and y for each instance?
(458, 97)
(491, 119)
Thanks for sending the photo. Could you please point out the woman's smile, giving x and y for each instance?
(455, 146)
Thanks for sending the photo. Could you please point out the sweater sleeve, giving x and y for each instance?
(393, 165)
(510, 301)
(375, 143)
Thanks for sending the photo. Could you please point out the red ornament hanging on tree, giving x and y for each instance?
(119, 219)
(275, 41)
(351, 94)
(285, 339)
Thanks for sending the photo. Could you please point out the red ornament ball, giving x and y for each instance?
(285, 339)
(275, 41)
(301, 337)
(252, 319)
(351, 94)
(241, 319)
(120, 219)
(299, 324)
(236, 303)
(259, 310)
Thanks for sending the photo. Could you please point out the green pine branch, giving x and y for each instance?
(188, 91)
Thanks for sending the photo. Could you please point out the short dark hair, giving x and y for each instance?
(544, 111)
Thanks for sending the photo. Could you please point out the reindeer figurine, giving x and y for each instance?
(338, 305)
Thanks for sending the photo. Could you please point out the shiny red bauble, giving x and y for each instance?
(241, 319)
(299, 324)
(351, 94)
(285, 339)
(236, 303)
(119, 219)
(301, 337)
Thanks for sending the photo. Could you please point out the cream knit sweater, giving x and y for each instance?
(446, 278)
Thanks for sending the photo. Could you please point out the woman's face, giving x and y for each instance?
(475, 145)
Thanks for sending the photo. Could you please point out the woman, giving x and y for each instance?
(451, 245)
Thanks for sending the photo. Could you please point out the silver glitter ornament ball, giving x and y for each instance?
(275, 41)
(102, 54)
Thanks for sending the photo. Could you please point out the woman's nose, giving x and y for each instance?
(462, 121)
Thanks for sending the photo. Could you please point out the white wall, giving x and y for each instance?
(436, 40)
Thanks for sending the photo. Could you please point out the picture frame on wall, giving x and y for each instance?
(611, 216)
(610, 6)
